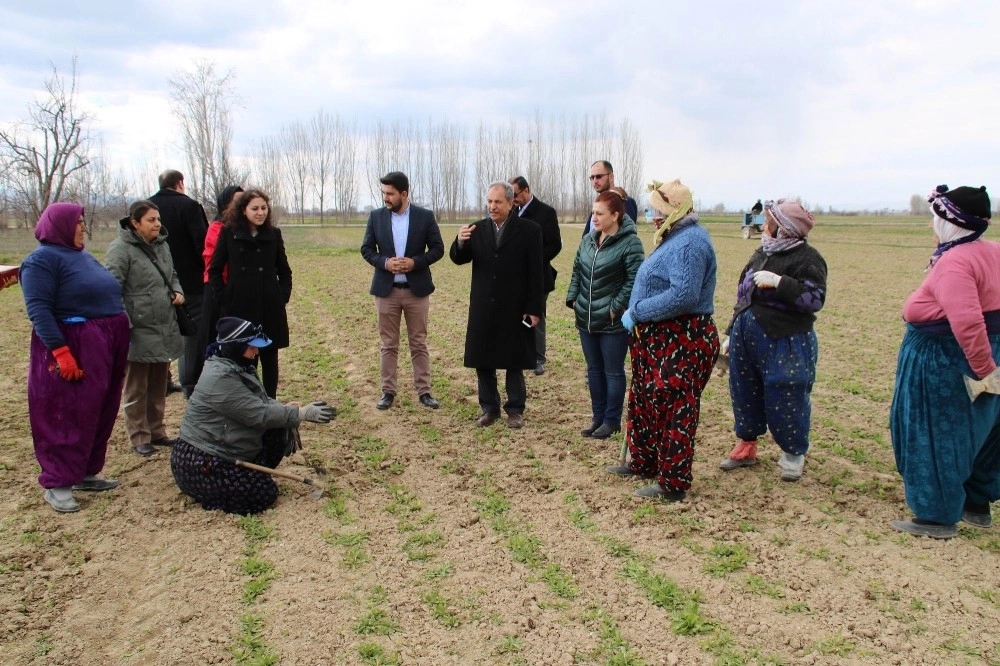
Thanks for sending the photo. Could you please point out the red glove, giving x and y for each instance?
(66, 364)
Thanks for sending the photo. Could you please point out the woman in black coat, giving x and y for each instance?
(259, 280)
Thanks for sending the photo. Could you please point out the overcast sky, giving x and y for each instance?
(855, 104)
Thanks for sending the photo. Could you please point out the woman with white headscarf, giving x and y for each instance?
(673, 344)
(772, 346)
(945, 414)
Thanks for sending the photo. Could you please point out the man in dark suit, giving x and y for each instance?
(186, 225)
(505, 302)
(602, 179)
(401, 242)
(544, 215)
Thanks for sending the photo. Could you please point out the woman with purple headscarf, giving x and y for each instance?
(945, 414)
(772, 346)
(79, 347)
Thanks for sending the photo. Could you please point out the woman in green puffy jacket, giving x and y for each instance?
(140, 260)
(603, 272)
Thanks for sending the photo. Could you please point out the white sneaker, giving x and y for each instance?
(791, 466)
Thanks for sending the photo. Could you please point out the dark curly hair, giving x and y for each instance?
(235, 216)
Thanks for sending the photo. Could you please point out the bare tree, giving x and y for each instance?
(201, 101)
(381, 142)
(323, 129)
(433, 182)
(581, 157)
(630, 158)
(267, 170)
(345, 182)
(412, 159)
(448, 169)
(296, 154)
(40, 154)
(496, 159)
(918, 205)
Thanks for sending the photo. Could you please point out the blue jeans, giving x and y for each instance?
(605, 355)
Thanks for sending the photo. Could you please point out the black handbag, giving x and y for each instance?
(185, 322)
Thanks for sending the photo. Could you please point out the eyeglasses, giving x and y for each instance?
(596, 176)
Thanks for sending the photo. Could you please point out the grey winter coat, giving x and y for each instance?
(602, 279)
(155, 336)
(229, 412)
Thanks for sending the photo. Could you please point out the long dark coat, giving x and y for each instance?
(185, 222)
(507, 283)
(545, 217)
(259, 280)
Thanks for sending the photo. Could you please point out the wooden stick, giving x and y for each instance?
(275, 472)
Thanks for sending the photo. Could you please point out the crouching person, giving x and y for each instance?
(226, 420)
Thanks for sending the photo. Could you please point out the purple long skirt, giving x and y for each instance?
(71, 422)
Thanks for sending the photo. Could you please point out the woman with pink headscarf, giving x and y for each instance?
(79, 348)
(772, 346)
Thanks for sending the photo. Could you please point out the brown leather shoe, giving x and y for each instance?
(515, 421)
(487, 419)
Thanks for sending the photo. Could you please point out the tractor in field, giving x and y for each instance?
(753, 223)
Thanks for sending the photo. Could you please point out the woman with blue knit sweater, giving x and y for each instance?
(673, 346)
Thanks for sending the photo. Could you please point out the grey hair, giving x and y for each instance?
(508, 189)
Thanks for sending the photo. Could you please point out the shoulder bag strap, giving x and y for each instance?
(152, 258)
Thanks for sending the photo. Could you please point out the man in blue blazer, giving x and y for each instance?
(401, 242)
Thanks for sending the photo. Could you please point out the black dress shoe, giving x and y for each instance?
(427, 400)
(166, 441)
(587, 432)
(174, 387)
(385, 402)
(96, 484)
(604, 431)
(624, 470)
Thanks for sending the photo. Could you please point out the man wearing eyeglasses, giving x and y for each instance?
(602, 178)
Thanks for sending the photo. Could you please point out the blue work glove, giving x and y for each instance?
(627, 321)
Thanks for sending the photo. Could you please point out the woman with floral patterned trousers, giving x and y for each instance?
(673, 346)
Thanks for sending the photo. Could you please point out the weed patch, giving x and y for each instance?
(250, 649)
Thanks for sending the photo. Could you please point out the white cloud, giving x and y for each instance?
(844, 103)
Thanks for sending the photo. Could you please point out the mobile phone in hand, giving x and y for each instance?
(526, 320)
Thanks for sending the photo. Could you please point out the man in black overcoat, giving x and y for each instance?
(186, 225)
(531, 207)
(505, 302)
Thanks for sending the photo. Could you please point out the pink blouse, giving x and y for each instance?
(962, 285)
